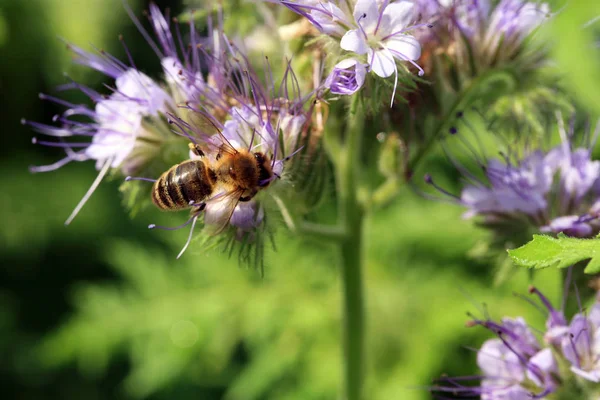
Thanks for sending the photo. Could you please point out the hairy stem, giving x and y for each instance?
(351, 246)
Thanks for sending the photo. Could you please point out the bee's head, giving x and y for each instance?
(265, 172)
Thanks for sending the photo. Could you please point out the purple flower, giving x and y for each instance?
(511, 22)
(513, 188)
(513, 366)
(579, 341)
(581, 344)
(556, 324)
(347, 77)
(523, 189)
(121, 124)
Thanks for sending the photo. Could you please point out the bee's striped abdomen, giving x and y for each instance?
(190, 181)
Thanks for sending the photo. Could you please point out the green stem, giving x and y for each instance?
(352, 216)
(459, 104)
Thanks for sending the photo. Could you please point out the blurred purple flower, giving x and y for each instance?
(347, 77)
(581, 344)
(524, 189)
(510, 22)
(514, 365)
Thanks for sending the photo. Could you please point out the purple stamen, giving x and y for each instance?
(543, 299)
(360, 26)
(91, 190)
(143, 31)
(173, 228)
(407, 29)
(429, 180)
(194, 219)
(382, 9)
(138, 178)
(57, 144)
(51, 167)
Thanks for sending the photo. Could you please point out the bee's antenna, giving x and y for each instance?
(137, 178)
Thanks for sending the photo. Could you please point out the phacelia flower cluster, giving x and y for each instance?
(227, 111)
(549, 191)
(374, 35)
(561, 362)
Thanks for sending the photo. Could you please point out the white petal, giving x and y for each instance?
(382, 62)
(142, 89)
(330, 19)
(354, 41)
(361, 74)
(366, 14)
(404, 47)
(346, 63)
(399, 15)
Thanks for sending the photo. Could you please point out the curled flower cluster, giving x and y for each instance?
(519, 365)
(550, 191)
(487, 34)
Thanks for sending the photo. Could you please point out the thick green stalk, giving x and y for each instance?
(351, 245)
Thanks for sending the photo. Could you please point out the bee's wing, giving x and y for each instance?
(219, 210)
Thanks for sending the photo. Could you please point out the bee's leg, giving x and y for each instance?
(249, 195)
(196, 149)
(198, 207)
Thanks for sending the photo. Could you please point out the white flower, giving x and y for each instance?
(380, 33)
(373, 28)
(119, 117)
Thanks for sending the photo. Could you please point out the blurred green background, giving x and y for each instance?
(101, 309)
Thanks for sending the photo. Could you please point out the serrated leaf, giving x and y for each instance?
(546, 251)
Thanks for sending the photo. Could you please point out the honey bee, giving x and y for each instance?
(235, 175)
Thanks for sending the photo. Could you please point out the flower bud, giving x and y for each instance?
(347, 77)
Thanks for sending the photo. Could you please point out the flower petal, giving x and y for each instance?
(404, 47)
(545, 363)
(382, 62)
(366, 14)
(354, 41)
(497, 360)
(399, 15)
(327, 17)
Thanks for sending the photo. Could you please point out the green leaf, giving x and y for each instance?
(546, 251)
